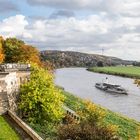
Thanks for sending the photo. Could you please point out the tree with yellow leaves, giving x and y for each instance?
(1, 49)
(17, 51)
(30, 54)
(137, 81)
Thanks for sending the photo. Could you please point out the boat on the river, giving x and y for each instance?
(112, 88)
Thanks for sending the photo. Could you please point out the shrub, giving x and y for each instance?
(91, 113)
(40, 101)
(85, 131)
(137, 81)
(100, 64)
(90, 126)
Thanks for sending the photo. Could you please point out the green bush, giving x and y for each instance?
(40, 101)
(89, 127)
(91, 113)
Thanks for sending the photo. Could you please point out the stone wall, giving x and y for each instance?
(9, 89)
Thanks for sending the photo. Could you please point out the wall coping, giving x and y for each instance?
(24, 126)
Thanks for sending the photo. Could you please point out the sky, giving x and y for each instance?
(88, 26)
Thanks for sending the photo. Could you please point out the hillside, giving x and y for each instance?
(77, 59)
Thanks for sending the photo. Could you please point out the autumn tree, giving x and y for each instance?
(30, 54)
(40, 100)
(11, 49)
(17, 51)
(1, 49)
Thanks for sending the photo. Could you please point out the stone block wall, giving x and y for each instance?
(9, 89)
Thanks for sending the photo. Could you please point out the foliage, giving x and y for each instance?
(85, 131)
(45, 130)
(6, 132)
(40, 101)
(29, 54)
(17, 51)
(136, 64)
(89, 127)
(11, 49)
(91, 113)
(2, 56)
(137, 81)
(48, 65)
(127, 128)
(100, 64)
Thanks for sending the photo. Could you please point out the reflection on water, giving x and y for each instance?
(81, 83)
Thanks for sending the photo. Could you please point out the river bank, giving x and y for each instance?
(123, 71)
(127, 128)
(80, 83)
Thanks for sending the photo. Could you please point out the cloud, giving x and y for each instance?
(119, 36)
(113, 7)
(62, 13)
(91, 34)
(13, 26)
(7, 6)
(77, 4)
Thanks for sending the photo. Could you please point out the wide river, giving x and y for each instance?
(80, 82)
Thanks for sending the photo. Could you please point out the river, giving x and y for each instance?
(80, 82)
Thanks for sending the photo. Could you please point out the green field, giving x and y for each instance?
(127, 128)
(125, 71)
(6, 132)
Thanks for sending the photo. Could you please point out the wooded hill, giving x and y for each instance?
(77, 59)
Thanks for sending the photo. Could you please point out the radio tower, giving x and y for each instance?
(102, 51)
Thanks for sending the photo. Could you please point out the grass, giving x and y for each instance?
(127, 128)
(6, 132)
(125, 71)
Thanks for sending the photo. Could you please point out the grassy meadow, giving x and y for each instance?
(128, 129)
(125, 71)
(6, 132)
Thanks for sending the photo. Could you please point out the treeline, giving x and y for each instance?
(13, 50)
(77, 59)
(136, 64)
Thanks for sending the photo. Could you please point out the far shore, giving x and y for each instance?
(123, 71)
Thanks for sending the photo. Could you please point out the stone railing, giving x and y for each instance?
(71, 113)
(24, 126)
(7, 67)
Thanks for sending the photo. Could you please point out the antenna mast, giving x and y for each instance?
(102, 51)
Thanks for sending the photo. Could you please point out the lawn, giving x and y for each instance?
(127, 128)
(6, 132)
(126, 71)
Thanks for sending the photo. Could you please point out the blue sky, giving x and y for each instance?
(27, 10)
(75, 25)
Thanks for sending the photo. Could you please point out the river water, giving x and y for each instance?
(80, 82)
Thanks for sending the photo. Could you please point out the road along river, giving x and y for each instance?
(80, 82)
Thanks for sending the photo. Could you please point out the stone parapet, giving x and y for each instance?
(24, 126)
(10, 67)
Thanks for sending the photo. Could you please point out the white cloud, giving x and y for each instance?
(127, 7)
(13, 26)
(119, 35)
(116, 36)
